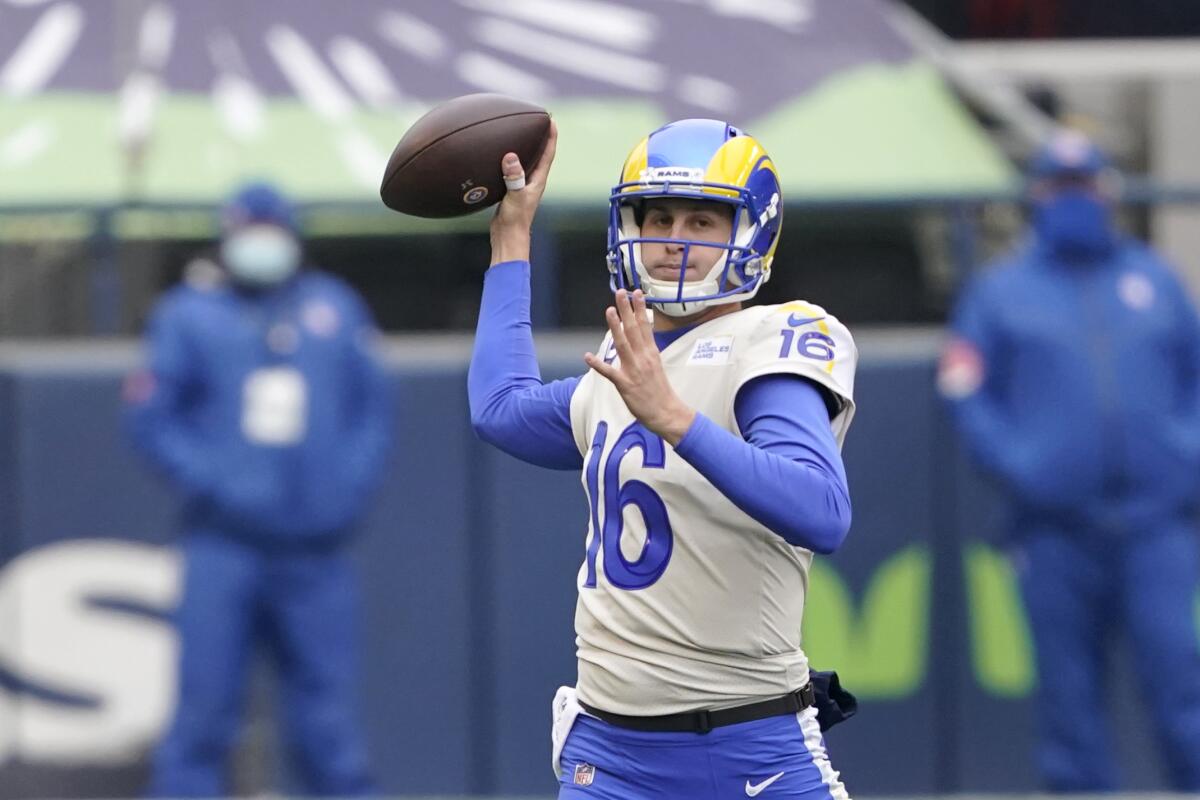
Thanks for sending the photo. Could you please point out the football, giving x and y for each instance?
(448, 163)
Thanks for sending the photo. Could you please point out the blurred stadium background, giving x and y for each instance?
(899, 131)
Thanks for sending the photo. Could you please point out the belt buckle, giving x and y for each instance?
(703, 721)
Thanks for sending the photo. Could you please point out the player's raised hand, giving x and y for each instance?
(514, 216)
(638, 373)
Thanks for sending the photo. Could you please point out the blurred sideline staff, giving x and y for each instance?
(1073, 374)
(265, 408)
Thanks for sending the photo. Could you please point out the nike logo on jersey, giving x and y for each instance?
(796, 321)
(754, 789)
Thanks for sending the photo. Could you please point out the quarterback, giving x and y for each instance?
(708, 437)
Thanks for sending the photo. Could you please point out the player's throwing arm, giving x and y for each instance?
(511, 225)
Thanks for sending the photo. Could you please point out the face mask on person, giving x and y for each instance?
(261, 255)
(1075, 224)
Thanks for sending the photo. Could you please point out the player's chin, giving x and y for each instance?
(671, 274)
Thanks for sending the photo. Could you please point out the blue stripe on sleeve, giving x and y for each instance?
(511, 407)
(786, 471)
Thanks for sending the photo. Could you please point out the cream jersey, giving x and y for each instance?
(685, 601)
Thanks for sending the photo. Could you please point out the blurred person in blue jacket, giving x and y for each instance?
(1073, 374)
(264, 406)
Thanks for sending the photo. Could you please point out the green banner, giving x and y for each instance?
(870, 131)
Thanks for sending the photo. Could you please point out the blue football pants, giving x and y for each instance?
(1078, 591)
(304, 607)
(773, 758)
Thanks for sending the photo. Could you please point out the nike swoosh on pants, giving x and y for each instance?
(752, 790)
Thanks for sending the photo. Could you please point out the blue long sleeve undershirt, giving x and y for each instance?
(785, 472)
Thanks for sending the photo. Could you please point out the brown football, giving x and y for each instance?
(448, 163)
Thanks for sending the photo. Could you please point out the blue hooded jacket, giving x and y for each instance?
(1085, 397)
(188, 410)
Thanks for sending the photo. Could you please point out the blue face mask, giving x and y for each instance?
(261, 255)
(1075, 224)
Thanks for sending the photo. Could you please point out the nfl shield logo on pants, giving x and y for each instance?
(584, 774)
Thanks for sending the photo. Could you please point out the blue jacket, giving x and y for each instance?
(222, 363)
(1088, 407)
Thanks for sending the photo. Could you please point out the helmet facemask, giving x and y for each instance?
(736, 275)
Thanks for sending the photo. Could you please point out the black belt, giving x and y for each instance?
(705, 721)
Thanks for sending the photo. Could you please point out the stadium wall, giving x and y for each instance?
(469, 560)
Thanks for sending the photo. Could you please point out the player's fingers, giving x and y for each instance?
(620, 336)
(514, 174)
(510, 165)
(617, 329)
(629, 322)
(637, 302)
(595, 362)
(624, 310)
(539, 173)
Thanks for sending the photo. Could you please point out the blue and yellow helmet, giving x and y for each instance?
(697, 159)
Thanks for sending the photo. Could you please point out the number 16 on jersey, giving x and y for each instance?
(650, 564)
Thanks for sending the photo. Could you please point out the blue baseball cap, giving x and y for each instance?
(257, 203)
(1068, 152)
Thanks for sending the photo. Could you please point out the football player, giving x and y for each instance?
(708, 434)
